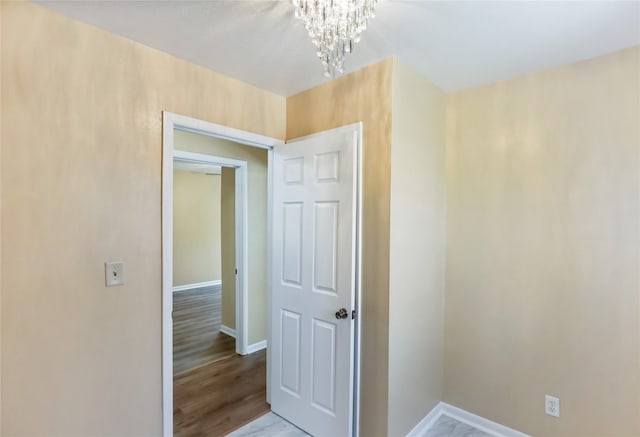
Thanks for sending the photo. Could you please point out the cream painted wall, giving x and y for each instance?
(0, 221)
(364, 95)
(543, 197)
(416, 253)
(81, 185)
(196, 228)
(543, 249)
(228, 221)
(257, 176)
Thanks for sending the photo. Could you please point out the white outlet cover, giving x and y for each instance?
(114, 273)
(552, 406)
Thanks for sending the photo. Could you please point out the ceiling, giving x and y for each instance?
(455, 44)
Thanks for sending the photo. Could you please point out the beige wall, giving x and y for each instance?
(196, 228)
(1, 42)
(543, 249)
(417, 236)
(362, 96)
(229, 247)
(543, 243)
(257, 177)
(81, 185)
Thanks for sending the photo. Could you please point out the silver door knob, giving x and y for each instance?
(342, 313)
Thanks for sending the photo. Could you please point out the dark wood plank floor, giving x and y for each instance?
(217, 398)
(214, 390)
(197, 339)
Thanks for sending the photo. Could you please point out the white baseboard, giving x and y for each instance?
(486, 425)
(427, 422)
(197, 285)
(478, 422)
(226, 330)
(255, 347)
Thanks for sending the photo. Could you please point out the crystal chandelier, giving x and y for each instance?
(334, 27)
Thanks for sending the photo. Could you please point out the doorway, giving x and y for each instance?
(243, 319)
(219, 380)
(198, 249)
(233, 202)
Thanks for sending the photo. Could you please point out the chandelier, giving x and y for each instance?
(334, 27)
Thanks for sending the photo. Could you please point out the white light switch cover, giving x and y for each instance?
(114, 273)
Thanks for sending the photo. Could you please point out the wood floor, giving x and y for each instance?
(217, 398)
(197, 339)
(215, 391)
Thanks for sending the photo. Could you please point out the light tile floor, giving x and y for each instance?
(271, 425)
(446, 426)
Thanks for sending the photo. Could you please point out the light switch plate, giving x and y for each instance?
(114, 273)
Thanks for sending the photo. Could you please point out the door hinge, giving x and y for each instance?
(236, 271)
(353, 314)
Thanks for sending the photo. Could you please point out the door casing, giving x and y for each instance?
(173, 122)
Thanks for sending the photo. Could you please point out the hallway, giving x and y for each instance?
(197, 339)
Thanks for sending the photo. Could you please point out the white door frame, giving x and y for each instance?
(241, 237)
(170, 122)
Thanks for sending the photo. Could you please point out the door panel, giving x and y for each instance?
(314, 259)
(292, 242)
(290, 340)
(323, 364)
(325, 246)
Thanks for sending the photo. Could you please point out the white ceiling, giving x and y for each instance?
(455, 44)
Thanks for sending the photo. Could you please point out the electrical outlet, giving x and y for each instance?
(552, 406)
(114, 273)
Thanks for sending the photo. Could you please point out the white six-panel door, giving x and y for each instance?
(313, 278)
